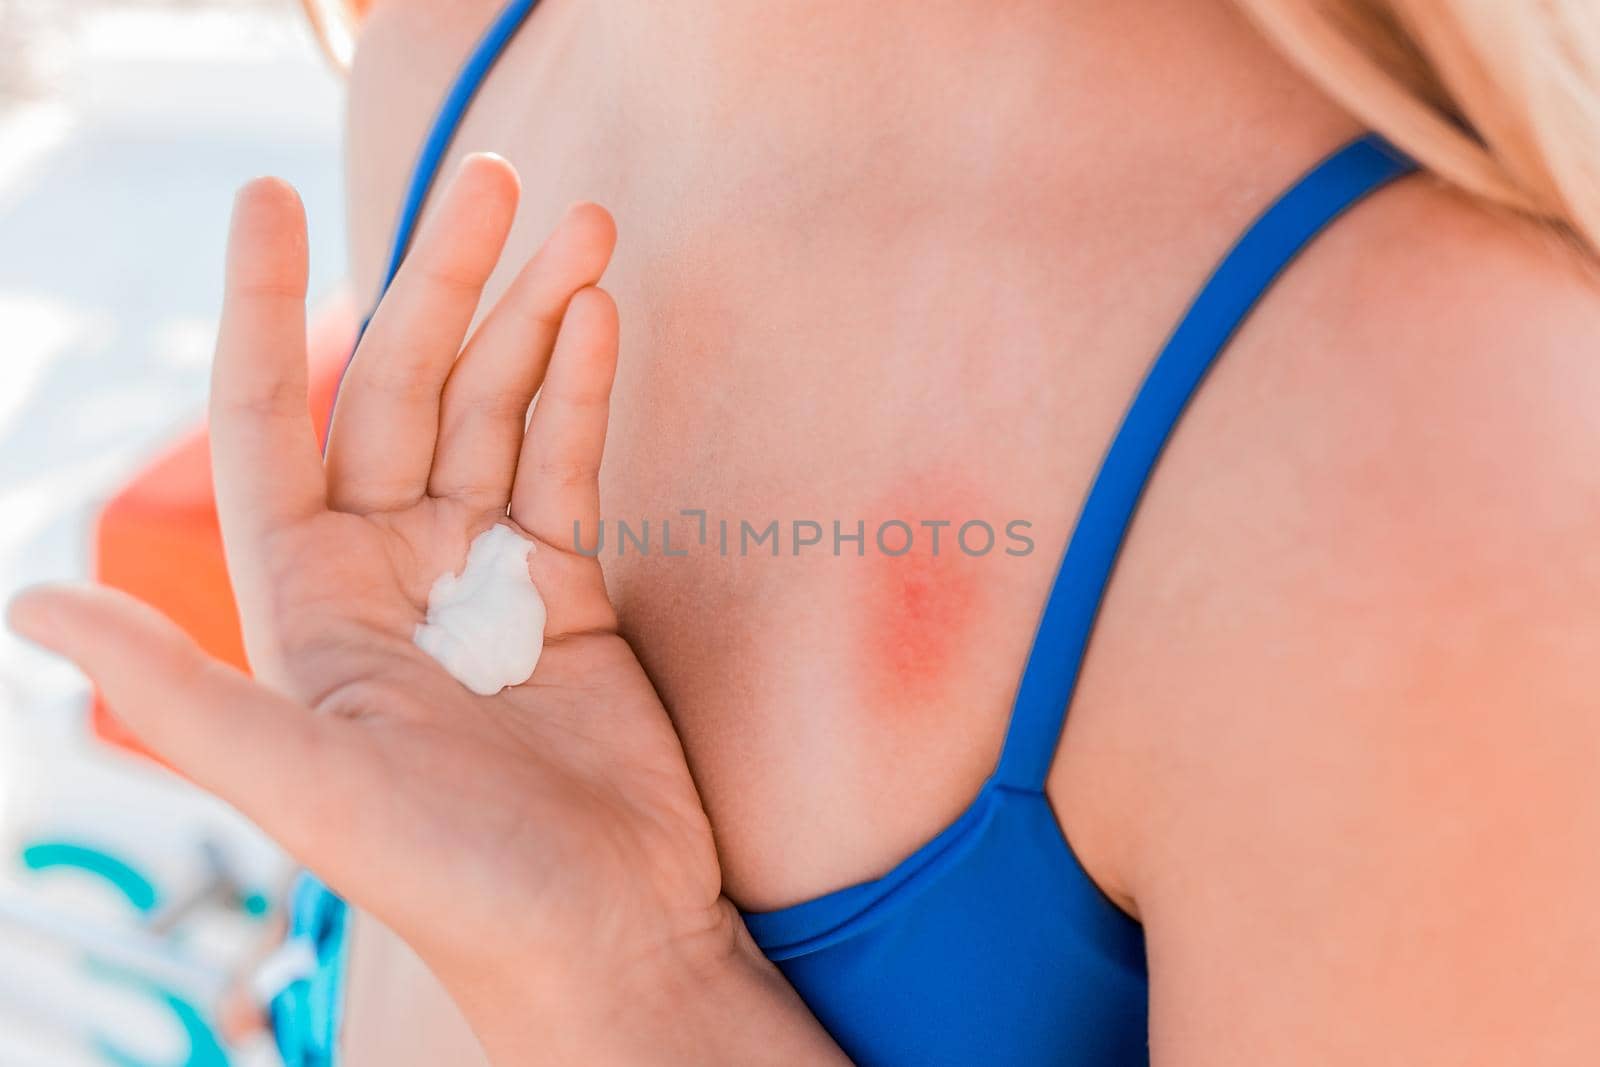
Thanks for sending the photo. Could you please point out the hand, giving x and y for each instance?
(543, 849)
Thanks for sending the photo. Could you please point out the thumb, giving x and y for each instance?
(254, 748)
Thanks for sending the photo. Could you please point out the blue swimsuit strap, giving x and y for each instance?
(1245, 273)
(425, 172)
(447, 122)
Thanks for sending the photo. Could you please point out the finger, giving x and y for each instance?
(265, 461)
(258, 750)
(386, 419)
(557, 490)
(484, 409)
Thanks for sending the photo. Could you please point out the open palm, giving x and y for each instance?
(555, 820)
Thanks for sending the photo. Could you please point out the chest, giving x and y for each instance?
(862, 388)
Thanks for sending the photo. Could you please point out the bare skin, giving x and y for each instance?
(1020, 282)
(1334, 743)
(1010, 213)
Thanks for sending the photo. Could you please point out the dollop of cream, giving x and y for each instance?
(486, 625)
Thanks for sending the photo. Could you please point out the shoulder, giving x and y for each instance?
(1422, 284)
(1436, 374)
(1428, 373)
(1381, 756)
(1394, 480)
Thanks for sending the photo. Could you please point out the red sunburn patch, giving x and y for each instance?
(918, 610)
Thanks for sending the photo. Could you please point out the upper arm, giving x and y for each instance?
(1376, 837)
(1404, 869)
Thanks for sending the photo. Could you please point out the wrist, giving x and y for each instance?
(709, 997)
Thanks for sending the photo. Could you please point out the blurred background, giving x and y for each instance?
(129, 901)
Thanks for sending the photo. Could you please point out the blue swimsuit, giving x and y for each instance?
(989, 944)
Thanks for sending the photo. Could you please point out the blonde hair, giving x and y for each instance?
(1498, 97)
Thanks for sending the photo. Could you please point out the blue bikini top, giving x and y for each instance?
(989, 944)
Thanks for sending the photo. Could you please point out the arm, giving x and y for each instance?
(1404, 875)
(1380, 841)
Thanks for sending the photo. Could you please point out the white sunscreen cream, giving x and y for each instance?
(486, 625)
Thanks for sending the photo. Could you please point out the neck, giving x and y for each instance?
(1178, 78)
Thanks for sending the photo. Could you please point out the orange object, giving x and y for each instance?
(158, 537)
